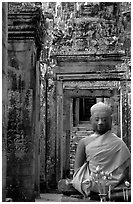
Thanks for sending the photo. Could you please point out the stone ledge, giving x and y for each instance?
(89, 57)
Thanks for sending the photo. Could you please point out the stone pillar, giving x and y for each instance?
(77, 112)
(51, 149)
(4, 94)
(23, 136)
(59, 139)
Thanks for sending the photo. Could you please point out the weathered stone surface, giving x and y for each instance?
(87, 50)
(4, 96)
(21, 108)
(92, 28)
(51, 170)
(25, 38)
(26, 21)
(79, 79)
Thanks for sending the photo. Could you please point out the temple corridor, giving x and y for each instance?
(59, 59)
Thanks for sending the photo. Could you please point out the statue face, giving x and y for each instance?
(101, 122)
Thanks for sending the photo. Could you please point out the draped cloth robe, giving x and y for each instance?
(108, 152)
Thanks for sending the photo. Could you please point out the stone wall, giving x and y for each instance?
(21, 119)
(77, 33)
(104, 76)
(25, 37)
(4, 94)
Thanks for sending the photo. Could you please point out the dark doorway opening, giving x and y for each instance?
(81, 109)
(85, 105)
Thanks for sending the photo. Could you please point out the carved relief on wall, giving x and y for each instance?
(90, 84)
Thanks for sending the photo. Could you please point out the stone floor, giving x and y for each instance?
(55, 197)
(49, 197)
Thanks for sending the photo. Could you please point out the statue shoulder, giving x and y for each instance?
(82, 141)
(88, 139)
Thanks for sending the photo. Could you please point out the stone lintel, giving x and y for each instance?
(88, 57)
(108, 65)
(102, 92)
(96, 76)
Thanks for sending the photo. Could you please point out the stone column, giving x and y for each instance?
(4, 94)
(59, 140)
(23, 136)
(77, 112)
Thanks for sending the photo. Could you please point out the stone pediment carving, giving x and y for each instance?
(92, 28)
(26, 21)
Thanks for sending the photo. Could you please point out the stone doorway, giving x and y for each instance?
(76, 120)
(82, 115)
(79, 80)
